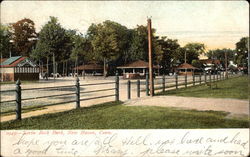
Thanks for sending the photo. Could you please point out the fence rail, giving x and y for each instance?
(57, 87)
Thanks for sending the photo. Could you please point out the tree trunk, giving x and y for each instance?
(75, 69)
(47, 66)
(104, 68)
(158, 69)
(54, 70)
(42, 69)
(63, 69)
(66, 67)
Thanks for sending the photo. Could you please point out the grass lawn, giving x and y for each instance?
(114, 115)
(232, 88)
(24, 110)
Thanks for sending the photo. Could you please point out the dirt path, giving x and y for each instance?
(234, 106)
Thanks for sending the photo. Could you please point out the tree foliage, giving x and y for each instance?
(53, 39)
(82, 49)
(220, 55)
(169, 48)
(242, 51)
(197, 64)
(139, 44)
(192, 50)
(108, 40)
(24, 36)
(5, 37)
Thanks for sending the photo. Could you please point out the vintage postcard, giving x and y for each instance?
(124, 78)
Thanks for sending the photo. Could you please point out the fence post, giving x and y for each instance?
(163, 83)
(116, 87)
(77, 93)
(193, 79)
(129, 87)
(147, 84)
(223, 75)
(200, 78)
(186, 80)
(18, 100)
(220, 75)
(176, 81)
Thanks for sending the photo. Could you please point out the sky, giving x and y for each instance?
(217, 24)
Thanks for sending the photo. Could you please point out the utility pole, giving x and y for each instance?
(150, 58)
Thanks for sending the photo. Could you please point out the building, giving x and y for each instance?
(18, 67)
(135, 69)
(186, 69)
(89, 69)
(211, 64)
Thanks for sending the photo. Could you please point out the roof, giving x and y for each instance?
(136, 64)
(210, 61)
(2, 60)
(89, 67)
(12, 61)
(186, 66)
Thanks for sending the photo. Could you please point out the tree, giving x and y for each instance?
(242, 52)
(169, 47)
(53, 40)
(197, 64)
(139, 43)
(82, 49)
(5, 37)
(220, 55)
(192, 50)
(24, 36)
(108, 41)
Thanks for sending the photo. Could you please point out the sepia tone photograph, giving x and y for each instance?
(115, 65)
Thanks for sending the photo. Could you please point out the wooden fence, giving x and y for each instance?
(18, 95)
(182, 81)
(161, 83)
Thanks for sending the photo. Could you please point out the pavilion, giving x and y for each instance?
(135, 69)
(93, 69)
(186, 69)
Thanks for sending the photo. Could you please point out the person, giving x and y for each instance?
(46, 75)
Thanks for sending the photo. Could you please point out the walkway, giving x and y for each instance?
(234, 106)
